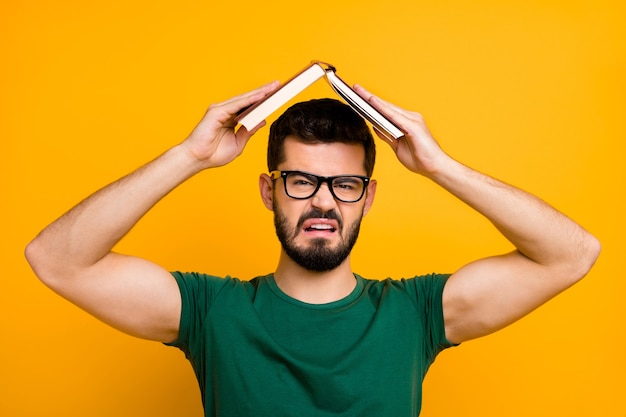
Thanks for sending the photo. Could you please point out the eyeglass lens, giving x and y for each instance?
(344, 188)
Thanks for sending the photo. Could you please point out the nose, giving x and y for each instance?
(323, 199)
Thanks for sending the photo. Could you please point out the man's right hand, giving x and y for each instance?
(214, 141)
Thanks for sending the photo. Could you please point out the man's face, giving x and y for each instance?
(318, 233)
(319, 254)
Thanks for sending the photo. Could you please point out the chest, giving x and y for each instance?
(282, 358)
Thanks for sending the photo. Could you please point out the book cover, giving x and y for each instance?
(259, 111)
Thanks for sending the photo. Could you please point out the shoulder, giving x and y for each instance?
(419, 289)
(200, 285)
(197, 279)
(429, 282)
(419, 282)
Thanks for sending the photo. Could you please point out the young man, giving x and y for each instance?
(313, 338)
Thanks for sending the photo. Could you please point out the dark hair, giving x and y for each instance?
(320, 121)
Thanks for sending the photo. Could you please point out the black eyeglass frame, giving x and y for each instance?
(320, 179)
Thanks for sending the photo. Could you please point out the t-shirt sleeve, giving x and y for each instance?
(427, 292)
(197, 292)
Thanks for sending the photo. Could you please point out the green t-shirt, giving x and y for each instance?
(258, 352)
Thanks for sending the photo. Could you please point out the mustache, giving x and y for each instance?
(319, 214)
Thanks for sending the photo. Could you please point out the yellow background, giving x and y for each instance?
(532, 92)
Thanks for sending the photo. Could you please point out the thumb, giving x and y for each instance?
(243, 135)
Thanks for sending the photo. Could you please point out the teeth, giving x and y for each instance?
(321, 227)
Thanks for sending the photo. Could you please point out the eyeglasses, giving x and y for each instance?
(302, 185)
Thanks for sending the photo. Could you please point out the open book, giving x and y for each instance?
(256, 113)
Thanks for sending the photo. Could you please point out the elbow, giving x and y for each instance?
(33, 255)
(594, 249)
(37, 257)
(586, 257)
(30, 253)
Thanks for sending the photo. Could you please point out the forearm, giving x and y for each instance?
(89, 231)
(553, 252)
(537, 230)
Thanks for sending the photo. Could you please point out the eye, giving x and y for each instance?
(347, 184)
(302, 180)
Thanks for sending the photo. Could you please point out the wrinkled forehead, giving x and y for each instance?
(322, 158)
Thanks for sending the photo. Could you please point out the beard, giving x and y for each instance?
(319, 256)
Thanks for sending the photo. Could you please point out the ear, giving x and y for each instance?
(369, 196)
(266, 187)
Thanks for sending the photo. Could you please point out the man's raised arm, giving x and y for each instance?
(73, 255)
(552, 251)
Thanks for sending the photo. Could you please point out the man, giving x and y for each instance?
(313, 338)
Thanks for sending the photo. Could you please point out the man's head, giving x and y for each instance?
(317, 214)
(320, 121)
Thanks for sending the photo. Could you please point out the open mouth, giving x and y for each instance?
(320, 226)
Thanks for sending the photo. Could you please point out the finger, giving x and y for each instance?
(392, 142)
(245, 134)
(366, 94)
(397, 115)
(225, 112)
(378, 102)
(235, 104)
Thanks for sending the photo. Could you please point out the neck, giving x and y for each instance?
(314, 287)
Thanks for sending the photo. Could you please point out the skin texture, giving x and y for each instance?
(74, 255)
(327, 160)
